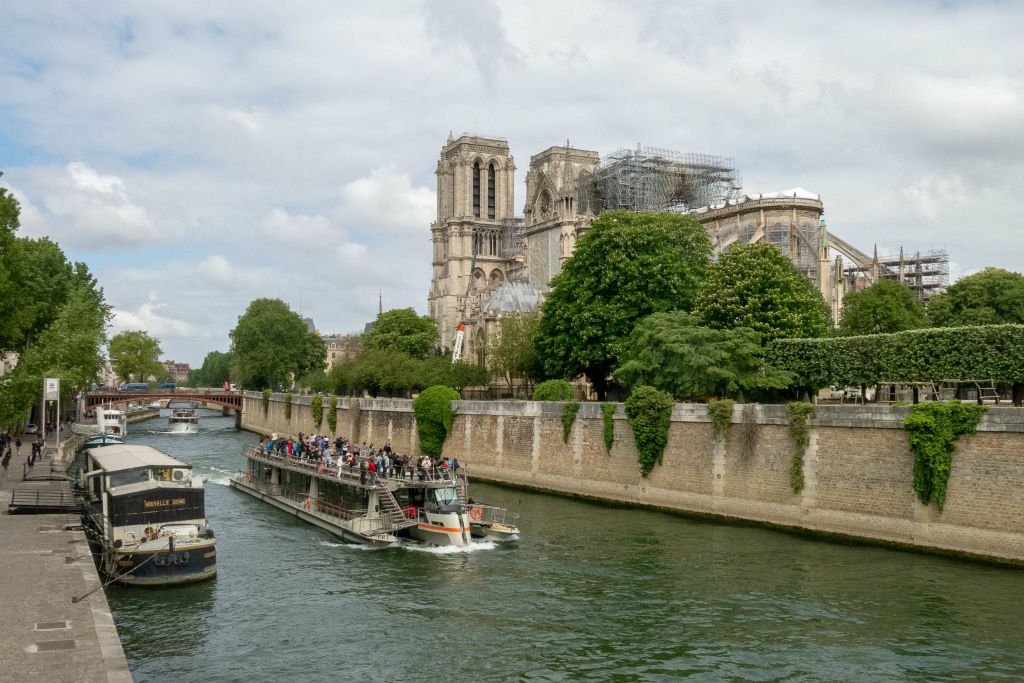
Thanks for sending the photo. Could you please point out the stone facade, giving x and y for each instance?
(858, 466)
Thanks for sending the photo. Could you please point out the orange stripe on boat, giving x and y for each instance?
(451, 530)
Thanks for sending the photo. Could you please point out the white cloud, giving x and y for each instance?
(386, 202)
(300, 229)
(933, 195)
(148, 318)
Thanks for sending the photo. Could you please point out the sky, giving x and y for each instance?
(198, 155)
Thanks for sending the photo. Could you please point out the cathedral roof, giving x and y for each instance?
(515, 296)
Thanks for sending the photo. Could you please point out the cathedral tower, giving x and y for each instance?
(475, 179)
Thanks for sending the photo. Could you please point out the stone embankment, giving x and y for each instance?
(44, 634)
(858, 468)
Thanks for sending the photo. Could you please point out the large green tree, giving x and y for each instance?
(625, 267)
(274, 346)
(756, 286)
(513, 353)
(69, 348)
(991, 297)
(401, 329)
(884, 307)
(672, 352)
(216, 369)
(136, 356)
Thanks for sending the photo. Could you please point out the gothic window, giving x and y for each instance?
(496, 278)
(476, 189)
(545, 205)
(490, 190)
(493, 240)
(478, 279)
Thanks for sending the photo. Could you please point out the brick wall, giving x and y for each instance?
(858, 466)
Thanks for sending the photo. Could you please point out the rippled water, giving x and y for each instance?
(589, 591)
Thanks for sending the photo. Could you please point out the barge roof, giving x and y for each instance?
(133, 456)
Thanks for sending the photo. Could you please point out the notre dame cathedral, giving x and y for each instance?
(489, 263)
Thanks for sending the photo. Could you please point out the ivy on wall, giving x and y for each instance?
(933, 430)
(608, 409)
(799, 433)
(332, 414)
(568, 419)
(649, 411)
(288, 406)
(316, 407)
(720, 412)
(434, 417)
(266, 400)
(750, 430)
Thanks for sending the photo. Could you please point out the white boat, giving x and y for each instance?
(183, 416)
(112, 422)
(148, 514)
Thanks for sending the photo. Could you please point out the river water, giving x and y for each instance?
(588, 592)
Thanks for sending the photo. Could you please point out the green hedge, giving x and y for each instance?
(434, 416)
(982, 352)
(554, 390)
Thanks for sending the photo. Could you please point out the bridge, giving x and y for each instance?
(219, 397)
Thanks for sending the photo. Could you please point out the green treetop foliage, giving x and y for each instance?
(625, 267)
(393, 373)
(755, 286)
(884, 307)
(216, 370)
(512, 351)
(401, 329)
(993, 296)
(69, 348)
(554, 390)
(135, 356)
(273, 345)
(672, 352)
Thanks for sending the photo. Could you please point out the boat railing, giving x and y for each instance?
(491, 514)
(350, 473)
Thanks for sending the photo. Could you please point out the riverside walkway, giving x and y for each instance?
(44, 566)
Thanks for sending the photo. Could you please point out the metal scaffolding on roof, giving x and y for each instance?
(656, 179)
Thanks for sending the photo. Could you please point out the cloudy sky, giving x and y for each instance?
(200, 154)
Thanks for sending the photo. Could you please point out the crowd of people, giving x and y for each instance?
(369, 461)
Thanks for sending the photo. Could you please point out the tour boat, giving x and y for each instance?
(148, 514)
(184, 421)
(356, 506)
(110, 428)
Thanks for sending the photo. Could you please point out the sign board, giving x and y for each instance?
(51, 392)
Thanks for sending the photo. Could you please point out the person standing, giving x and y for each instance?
(17, 447)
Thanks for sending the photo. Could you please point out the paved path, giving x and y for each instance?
(44, 636)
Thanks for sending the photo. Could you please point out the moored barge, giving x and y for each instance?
(147, 511)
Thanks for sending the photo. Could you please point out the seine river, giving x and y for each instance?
(588, 592)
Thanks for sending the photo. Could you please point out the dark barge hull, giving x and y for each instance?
(166, 568)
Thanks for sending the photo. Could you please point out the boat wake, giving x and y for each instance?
(348, 546)
(450, 549)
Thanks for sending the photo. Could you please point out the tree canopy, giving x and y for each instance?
(625, 267)
(993, 296)
(884, 307)
(672, 352)
(401, 329)
(512, 351)
(273, 345)
(135, 356)
(216, 370)
(756, 286)
(393, 373)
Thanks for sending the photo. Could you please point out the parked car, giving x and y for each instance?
(31, 428)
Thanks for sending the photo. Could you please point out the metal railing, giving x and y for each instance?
(490, 515)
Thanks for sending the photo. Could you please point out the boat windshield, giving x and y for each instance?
(446, 496)
(128, 477)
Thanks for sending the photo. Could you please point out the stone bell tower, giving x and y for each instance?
(475, 180)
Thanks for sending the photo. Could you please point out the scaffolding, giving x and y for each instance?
(926, 273)
(654, 179)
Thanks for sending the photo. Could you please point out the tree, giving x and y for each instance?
(136, 356)
(216, 369)
(69, 348)
(884, 307)
(273, 345)
(402, 330)
(672, 352)
(513, 352)
(625, 267)
(991, 297)
(755, 286)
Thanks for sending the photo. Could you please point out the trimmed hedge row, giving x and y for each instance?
(981, 352)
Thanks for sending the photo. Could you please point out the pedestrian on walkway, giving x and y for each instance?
(17, 447)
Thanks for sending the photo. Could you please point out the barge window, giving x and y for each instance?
(127, 477)
(446, 496)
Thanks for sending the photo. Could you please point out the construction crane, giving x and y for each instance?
(457, 348)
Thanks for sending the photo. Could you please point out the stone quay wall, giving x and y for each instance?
(858, 467)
